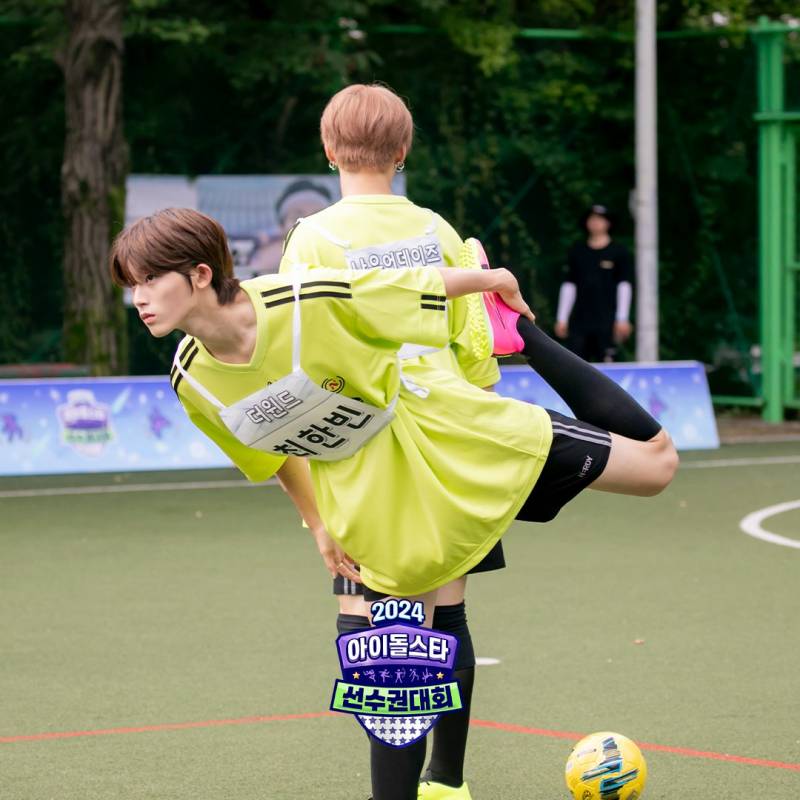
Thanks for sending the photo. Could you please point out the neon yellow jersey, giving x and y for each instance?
(451, 470)
(360, 222)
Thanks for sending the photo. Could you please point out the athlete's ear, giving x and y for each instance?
(330, 155)
(202, 276)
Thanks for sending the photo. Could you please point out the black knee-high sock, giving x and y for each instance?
(450, 737)
(396, 770)
(450, 734)
(592, 396)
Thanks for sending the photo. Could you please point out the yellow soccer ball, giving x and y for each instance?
(606, 766)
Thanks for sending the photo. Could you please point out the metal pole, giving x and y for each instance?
(789, 266)
(769, 47)
(646, 184)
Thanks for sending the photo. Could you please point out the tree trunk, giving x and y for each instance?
(93, 184)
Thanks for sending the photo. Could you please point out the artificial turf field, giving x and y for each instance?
(150, 609)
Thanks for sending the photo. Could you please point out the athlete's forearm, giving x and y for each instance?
(458, 282)
(295, 480)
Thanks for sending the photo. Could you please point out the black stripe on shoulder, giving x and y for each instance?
(312, 295)
(175, 376)
(304, 286)
(279, 290)
(308, 296)
(344, 284)
(282, 301)
(440, 297)
(289, 236)
(433, 307)
(186, 349)
(191, 358)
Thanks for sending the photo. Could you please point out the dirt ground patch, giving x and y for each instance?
(741, 429)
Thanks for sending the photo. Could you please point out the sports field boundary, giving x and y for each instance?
(751, 524)
(123, 488)
(686, 752)
(168, 726)
(185, 486)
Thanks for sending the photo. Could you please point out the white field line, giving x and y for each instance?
(751, 524)
(232, 484)
(57, 491)
(713, 463)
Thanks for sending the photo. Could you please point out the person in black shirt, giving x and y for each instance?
(595, 298)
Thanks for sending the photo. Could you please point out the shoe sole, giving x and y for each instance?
(473, 256)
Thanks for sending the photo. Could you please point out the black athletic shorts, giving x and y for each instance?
(494, 559)
(577, 457)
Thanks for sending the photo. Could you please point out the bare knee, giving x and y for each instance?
(353, 604)
(452, 593)
(664, 465)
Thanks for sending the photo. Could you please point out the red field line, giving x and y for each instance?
(662, 748)
(479, 723)
(170, 726)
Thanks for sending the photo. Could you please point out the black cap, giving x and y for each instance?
(597, 210)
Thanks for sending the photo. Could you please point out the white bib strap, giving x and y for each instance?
(196, 385)
(325, 234)
(296, 321)
(414, 388)
(431, 223)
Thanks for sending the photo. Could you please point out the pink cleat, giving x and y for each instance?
(504, 326)
(502, 319)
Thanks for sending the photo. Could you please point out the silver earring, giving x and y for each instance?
(399, 166)
(332, 166)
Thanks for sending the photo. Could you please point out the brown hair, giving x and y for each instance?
(174, 240)
(366, 126)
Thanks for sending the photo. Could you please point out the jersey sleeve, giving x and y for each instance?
(299, 247)
(398, 306)
(477, 370)
(255, 465)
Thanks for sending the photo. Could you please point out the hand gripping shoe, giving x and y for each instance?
(503, 338)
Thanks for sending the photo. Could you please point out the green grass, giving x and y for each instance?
(179, 606)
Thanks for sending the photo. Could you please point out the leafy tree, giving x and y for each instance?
(515, 136)
(93, 182)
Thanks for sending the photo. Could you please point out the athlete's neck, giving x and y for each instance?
(366, 182)
(228, 332)
(599, 242)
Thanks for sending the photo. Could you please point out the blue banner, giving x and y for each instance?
(124, 424)
(674, 392)
(98, 425)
